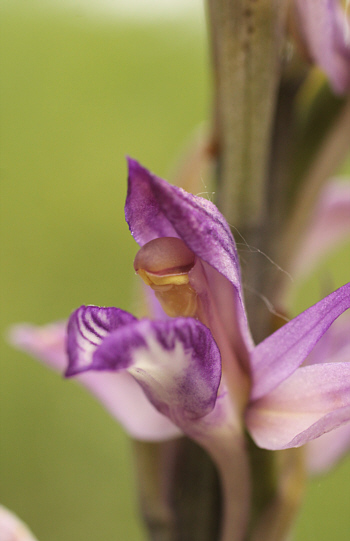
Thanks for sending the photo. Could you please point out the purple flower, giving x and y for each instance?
(199, 368)
(323, 29)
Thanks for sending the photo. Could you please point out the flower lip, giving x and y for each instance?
(164, 256)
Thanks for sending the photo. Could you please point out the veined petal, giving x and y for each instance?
(176, 362)
(119, 393)
(156, 209)
(277, 357)
(88, 326)
(12, 528)
(329, 225)
(324, 28)
(311, 402)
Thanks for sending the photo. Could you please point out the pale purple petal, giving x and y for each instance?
(311, 402)
(12, 528)
(334, 346)
(324, 28)
(176, 362)
(330, 224)
(324, 452)
(119, 393)
(156, 209)
(277, 357)
(46, 343)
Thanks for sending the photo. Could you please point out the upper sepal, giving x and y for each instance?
(155, 209)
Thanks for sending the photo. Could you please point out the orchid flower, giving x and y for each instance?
(323, 29)
(195, 369)
(200, 358)
(12, 528)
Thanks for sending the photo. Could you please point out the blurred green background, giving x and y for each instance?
(78, 93)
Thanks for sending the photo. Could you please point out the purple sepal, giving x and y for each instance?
(156, 209)
(334, 346)
(88, 326)
(277, 357)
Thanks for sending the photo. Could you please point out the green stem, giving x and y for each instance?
(247, 44)
(247, 47)
(276, 518)
(179, 491)
(247, 41)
